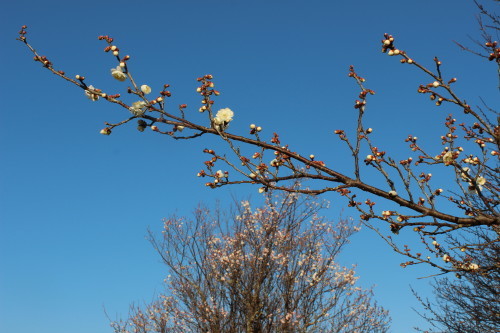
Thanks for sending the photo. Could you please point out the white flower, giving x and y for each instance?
(180, 128)
(480, 181)
(393, 193)
(219, 174)
(274, 163)
(118, 73)
(435, 84)
(448, 158)
(464, 174)
(146, 89)
(446, 258)
(474, 266)
(138, 108)
(90, 95)
(223, 116)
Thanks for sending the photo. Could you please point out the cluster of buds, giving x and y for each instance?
(369, 203)
(262, 168)
(275, 139)
(343, 191)
(425, 177)
(413, 142)
(353, 74)
(341, 134)
(469, 266)
(402, 218)
(439, 101)
(316, 163)
(423, 89)
(244, 160)
(255, 129)
(406, 61)
(211, 162)
(206, 90)
(167, 93)
(360, 104)
(495, 55)
(481, 143)
(370, 158)
(365, 217)
(471, 160)
(388, 46)
(377, 153)
(448, 137)
(116, 52)
(276, 162)
(219, 175)
(209, 151)
(22, 33)
(106, 38)
(43, 59)
(406, 162)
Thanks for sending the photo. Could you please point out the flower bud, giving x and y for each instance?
(105, 131)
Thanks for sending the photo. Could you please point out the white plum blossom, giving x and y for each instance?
(480, 181)
(118, 74)
(223, 116)
(90, 95)
(138, 108)
(464, 174)
(146, 89)
(448, 158)
(474, 266)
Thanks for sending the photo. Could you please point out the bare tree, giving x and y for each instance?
(270, 269)
(469, 150)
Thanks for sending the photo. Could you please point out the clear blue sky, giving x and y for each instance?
(75, 205)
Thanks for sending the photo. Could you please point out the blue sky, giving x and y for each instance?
(75, 205)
